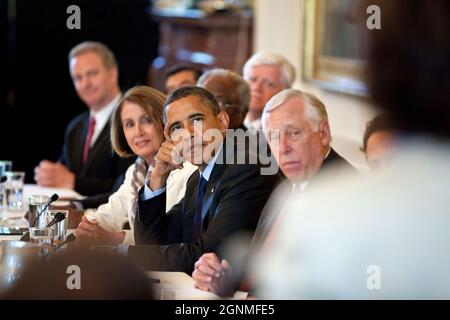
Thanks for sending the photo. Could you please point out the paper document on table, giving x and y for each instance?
(33, 189)
(177, 286)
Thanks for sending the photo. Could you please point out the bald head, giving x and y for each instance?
(231, 91)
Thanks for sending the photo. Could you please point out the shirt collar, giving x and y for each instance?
(328, 153)
(104, 113)
(299, 186)
(207, 172)
(253, 125)
(302, 186)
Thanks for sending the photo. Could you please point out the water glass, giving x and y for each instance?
(60, 228)
(5, 165)
(36, 204)
(41, 236)
(14, 189)
(2, 199)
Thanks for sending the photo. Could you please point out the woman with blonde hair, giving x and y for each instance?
(136, 129)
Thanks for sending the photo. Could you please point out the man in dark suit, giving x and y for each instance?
(87, 164)
(297, 129)
(222, 198)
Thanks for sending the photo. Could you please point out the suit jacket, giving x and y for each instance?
(93, 202)
(276, 202)
(103, 166)
(334, 162)
(235, 195)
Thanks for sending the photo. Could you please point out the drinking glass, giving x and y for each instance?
(36, 204)
(41, 236)
(5, 165)
(14, 189)
(60, 228)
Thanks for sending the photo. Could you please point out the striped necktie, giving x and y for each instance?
(137, 182)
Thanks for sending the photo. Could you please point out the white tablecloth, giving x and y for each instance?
(33, 189)
(180, 286)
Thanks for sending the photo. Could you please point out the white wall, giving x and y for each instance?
(279, 28)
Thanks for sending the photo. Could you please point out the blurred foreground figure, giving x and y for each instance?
(102, 275)
(387, 236)
(87, 163)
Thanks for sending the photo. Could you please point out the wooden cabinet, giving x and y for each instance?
(221, 39)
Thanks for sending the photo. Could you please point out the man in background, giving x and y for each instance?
(88, 164)
(266, 74)
(181, 75)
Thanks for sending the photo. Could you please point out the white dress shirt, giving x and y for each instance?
(254, 125)
(102, 118)
(148, 193)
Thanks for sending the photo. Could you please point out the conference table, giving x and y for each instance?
(169, 286)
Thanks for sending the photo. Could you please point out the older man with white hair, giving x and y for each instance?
(267, 74)
(296, 127)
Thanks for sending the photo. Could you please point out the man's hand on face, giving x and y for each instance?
(168, 159)
(54, 174)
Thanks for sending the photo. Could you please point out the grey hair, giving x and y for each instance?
(105, 54)
(267, 58)
(315, 110)
(242, 88)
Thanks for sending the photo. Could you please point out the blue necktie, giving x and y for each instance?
(198, 221)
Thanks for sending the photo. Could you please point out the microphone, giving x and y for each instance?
(57, 218)
(70, 238)
(25, 237)
(53, 198)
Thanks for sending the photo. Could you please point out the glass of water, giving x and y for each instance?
(36, 203)
(60, 228)
(5, 165)
(2, 200)
(14, 189)
(41, 236)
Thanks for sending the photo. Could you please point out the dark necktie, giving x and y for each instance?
(87, 142)
(198, 221)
